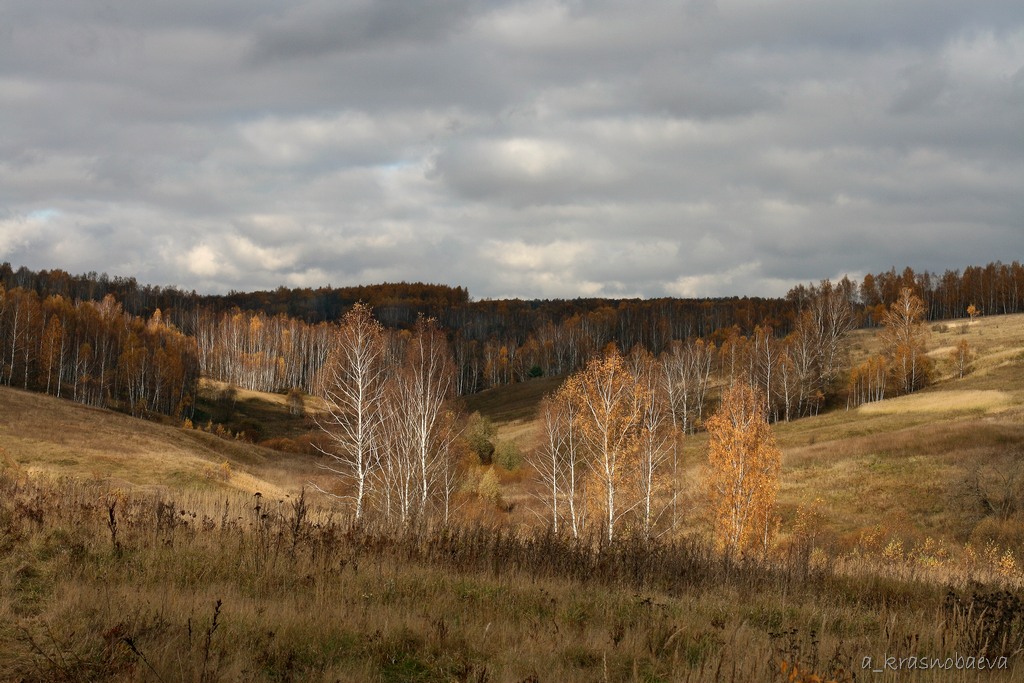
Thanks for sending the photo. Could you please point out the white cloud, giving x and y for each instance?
(203, 261)
(21, 232)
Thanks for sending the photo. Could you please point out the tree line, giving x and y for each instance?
(272, 341)
(497, 342)
(995, 288)
(95, 353)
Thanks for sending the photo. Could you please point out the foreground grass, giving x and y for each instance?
(98, 584)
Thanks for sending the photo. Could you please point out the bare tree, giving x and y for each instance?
(562, 463)
(353, 393)
(687, 372)
(422, 388)
(658, 441)
(549, 460)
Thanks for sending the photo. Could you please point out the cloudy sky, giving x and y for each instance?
(533, 149)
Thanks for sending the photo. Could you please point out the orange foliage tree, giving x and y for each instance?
(609, 444)
(741, 476)
(962, 356)
(905, 338)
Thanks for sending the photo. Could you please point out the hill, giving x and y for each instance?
(917, 466)
(128, 551)
(910, 467)
(45, 436)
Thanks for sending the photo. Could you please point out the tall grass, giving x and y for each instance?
(100, 584)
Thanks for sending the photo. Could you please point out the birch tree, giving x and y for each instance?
(905, 338)
(611, 423)
(658, 443)
(560, 462)
(741, 478)
(353, 393)
(420, 435)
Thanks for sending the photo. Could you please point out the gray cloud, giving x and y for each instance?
(316, 29)
(535, 148)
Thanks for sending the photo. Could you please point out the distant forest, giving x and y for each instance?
(996, 288)
(111, 341)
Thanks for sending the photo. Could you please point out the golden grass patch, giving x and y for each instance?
(986, 400)
(57, 438)
(212, 387)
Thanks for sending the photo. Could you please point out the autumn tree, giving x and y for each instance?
(611, 427)
(962, 356)
(296, 404)
(741, 477)
(685, 376)
(52, 354)
(867, 381)
(765, 357)
(420, 424)
(132, 366)
(23, 332)
(353, 392)
(103, 353)
(686, 367)
(657, 453)
(560, 462)
(905, 338)
(816, 349)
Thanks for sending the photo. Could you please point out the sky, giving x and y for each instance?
(520, 149)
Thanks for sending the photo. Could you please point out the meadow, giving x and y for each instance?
(134, 550)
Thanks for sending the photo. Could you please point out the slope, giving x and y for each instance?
(42, 435)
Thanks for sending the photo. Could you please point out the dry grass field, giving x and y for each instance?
(50, 438)
(118, 538)
(203, 586)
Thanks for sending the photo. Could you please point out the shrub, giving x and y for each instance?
(296, 404)
(285, 445)
(489, 488)
(508, 455)
(480, 437)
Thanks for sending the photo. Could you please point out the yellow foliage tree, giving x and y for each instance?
(741, 478)
(961, 357)
(612, 408)
(905, 338)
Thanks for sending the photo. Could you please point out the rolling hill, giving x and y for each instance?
(907, 464)
(132, 550)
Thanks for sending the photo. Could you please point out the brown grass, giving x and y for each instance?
(213, 387)
(101, 585)
(54, 438)
(948, 401)
(898, 519)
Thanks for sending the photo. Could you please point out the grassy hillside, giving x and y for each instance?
(910, 467)
(42, 435)
(137, 551)
(907, 468)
